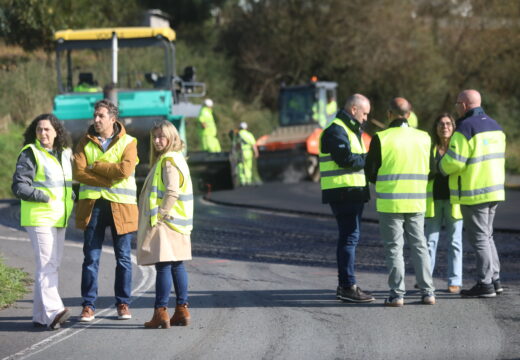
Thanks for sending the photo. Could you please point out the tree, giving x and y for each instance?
(32, 23)
(185, 11)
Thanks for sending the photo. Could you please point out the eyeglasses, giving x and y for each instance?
(445, 124)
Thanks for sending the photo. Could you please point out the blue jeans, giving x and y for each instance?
(454, 233)
(348, 217)
(166, 271)
(93, 240)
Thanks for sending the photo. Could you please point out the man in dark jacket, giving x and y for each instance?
(344, 187)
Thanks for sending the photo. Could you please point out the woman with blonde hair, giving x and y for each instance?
(165, 224)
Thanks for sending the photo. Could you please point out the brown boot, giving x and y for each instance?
(181, 317)
(160, 319)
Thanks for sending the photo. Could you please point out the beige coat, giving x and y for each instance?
(160, 243)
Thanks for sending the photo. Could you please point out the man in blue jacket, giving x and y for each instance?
(475, 162)
(344, 187)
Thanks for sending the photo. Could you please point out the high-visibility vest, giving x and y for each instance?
(332, 175)
(123, 191)
(247, 140)
(180, 216)
(206, 117)
(430, 202)
(403, 175)
(476, 167)
(55, 180)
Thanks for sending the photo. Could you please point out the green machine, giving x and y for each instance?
(133, 67)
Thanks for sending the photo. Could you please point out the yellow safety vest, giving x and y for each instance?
(55, 180)
(430, 205)
(403, 175)
(123, 191)
(181, 214)
(476, 167)
(332, 175)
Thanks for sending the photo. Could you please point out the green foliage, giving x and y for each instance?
(10, 145)
(32, 23)
(184, 11)
(424, 51)
(27, 88)
(216, 71)
(13, 284)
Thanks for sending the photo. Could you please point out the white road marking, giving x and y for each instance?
(148, 274)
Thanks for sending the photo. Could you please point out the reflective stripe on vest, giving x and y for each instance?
(430, 202)
(55, 180)
(403, 175)
(124, 191)
(332, 175)
(476, 167)
(181, 214)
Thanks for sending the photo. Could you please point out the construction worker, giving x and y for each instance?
(345, 189)
(207, 128)
(244, 144)
(86, 83)
(475, 162)
(319, 113)
(331, 109)
(398, 162)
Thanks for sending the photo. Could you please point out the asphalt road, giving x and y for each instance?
(262, 286)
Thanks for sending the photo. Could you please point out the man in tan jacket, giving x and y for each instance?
(104, 165)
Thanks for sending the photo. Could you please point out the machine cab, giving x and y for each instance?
(314, 103)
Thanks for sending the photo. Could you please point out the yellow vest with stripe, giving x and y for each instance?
(476, 167)
(180, 216)
(123, 191)
(430, 202)
(403, 175)
(55, 180)
(333, 176)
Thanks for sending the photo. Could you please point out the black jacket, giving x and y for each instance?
(334, 141)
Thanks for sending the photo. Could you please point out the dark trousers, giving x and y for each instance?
(348, 217)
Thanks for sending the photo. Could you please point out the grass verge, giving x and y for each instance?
(10, 146)
(13, 284)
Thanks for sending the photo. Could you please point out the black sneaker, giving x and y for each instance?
(498, 286)
(353, 294)
(480, 290)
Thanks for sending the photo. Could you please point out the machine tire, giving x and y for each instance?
(313, 169)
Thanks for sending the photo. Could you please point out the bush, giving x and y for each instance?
(13, 284)
(27, 89)
(10, 145)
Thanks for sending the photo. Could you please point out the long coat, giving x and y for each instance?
(160, 243)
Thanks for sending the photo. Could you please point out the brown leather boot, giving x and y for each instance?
(181, 316)
(160, 319)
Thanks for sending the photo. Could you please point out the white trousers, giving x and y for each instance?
(47, 243)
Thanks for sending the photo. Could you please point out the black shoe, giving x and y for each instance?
(39, 325)
(498, 286)
(60, 319)
(480, 290)
(353, 294)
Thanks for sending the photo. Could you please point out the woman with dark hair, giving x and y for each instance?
(165, 224)
(43, 182)
(439, 211)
